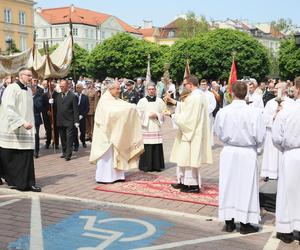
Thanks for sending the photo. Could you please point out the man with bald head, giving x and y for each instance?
(285, 135)
(66, 118)
(117, 138)
(271, 160)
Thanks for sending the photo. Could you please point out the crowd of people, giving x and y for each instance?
(123, 120)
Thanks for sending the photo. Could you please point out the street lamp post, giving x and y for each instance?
(297, 39)
(9, 42)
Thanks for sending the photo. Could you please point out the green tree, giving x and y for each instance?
(282, 24)
(210, 55)
(190, 26)
(79, 64)
(289, 59)
(126, 56)
(51, 49)
(12, 48)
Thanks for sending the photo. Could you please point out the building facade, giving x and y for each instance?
(16, 24)
(89, 27)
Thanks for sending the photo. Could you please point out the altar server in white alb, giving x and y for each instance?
(242, 131)
(117, 138)
(192, 145)
(272, 156)
(211, 105)
(286, 136)
(150, 109)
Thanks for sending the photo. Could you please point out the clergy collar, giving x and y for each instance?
(21, 85)
(151, 98)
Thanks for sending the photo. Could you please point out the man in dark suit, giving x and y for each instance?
(66, 118)
(44, 92)
(83, 108)
(37, 109)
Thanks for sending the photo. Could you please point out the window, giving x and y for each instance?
(92, 34)
(103, 34)
(75, 32)
(63, 32)
(23, 44)
(7, 15)
(56, 32)
(22, 18)
(45, 32)
(86, 33)
(171, 34)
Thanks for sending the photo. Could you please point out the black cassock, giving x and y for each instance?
(18, 167)
(153, 157)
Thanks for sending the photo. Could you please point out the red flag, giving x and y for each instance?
(232, 77)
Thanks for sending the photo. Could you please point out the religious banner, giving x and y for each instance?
(231, 81)
(55, 65)
(10, 65)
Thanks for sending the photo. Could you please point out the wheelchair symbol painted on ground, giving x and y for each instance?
(112, 235)
(95, 230)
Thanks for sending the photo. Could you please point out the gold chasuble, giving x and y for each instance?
(117, 123)
(192, 146)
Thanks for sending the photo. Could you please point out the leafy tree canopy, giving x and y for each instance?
(289, 59)
(190, 26)
(126, 56)
(210, 55)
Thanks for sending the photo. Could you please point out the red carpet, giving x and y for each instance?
(151, 185)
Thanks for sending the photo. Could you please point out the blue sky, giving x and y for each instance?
(161, 12)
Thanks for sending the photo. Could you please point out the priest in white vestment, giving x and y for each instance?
(211, 105)
(271, 159)
(286, 136)
(17, 134)
(192, 146)
(253, 98)
(117, 138)
(241, 129)
(150, 109)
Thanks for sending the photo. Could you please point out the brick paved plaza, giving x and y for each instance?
(70, 214)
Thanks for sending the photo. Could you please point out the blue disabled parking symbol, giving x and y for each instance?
(94, 230)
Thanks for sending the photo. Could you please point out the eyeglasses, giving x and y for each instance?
(27, 75)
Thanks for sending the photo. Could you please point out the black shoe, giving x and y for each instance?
(266, 179)
(177, 185)
(1, 183)
(75, 149)
(36, 155)
(190, 189)
(63, 156)
(229, 226)
(56, 147)
(68, 158)
(285, 237)
(248, 228)
(47, 146)
(34, 189)
(84, 145)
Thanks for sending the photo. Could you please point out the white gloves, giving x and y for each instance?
(80, 117)
(76, 125)
(51, 101)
